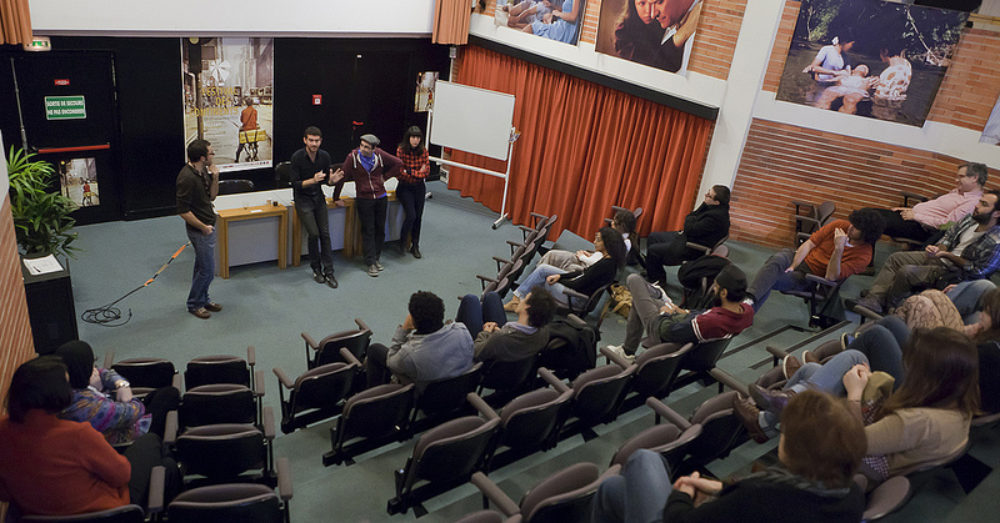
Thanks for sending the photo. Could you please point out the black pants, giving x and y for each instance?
(158, 403)
(897, 227)
(371, 213)
(315, 219)
(411, 197)
(376, 369)
(143, 454)
(666, 248)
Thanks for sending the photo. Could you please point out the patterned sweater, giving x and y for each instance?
(119, 422)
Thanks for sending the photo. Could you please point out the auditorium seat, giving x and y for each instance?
(317, 394)
(376, 414)
(328, 349)
(563, 496)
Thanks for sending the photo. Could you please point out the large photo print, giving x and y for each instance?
(559, 20)
(870, 58)
(657, 33)
(228, 86)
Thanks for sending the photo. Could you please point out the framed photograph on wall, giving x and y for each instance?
(991, 133)
(871, 58)
(657, 33)
(559, 20)
(78, 181)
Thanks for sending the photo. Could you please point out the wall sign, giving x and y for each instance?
(65, 108)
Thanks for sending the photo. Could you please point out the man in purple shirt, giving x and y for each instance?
(923, 221)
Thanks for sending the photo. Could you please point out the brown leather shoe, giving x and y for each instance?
(201, 313)
(809, 357)
(213, 307)
(789, 365)
(748, 413)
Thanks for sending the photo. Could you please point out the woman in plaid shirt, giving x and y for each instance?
(411, 189)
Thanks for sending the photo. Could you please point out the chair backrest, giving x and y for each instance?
(122, 514)
(508, 375)
(283, 175)
(235, 186)
(207, 370)
(217, 403)
(720, 429)
(563, 496)
(704, 355)
(598, 392)
(656, 370)
(448, 394)
(356, 341)
(453, 449)
(531, 418)
(652, 437)
(322, 387)
(243, 502)
(151, 373)
(825, 212)
(592, 300)
(377, 411)
(222, 451)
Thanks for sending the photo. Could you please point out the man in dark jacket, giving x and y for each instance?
(706, 225)
(369, 167)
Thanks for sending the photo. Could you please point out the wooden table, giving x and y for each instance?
(227, 216)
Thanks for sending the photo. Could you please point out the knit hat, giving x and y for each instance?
(732, 279)
(79, 359)
(371, 138)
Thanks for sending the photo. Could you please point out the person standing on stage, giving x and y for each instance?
(197, 187)
(368, 167)
(411, 190)
(311, 168)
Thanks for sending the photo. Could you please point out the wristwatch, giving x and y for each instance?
(122, 384)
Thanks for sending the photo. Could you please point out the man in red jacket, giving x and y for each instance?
(369, 167)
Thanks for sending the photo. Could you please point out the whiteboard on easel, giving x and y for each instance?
(472, 120)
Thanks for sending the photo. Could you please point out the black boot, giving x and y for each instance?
(415, 250)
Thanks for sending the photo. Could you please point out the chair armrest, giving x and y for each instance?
(251, 356)
(482, 281)
(812, 221)
(109, 358)
(157, 481)
(310, 342)
(801, 204)
(481, 406)
(776, 352)
(576, 321)
(667, 413)
(176, 381)
(361, 324)
(284, 479)
(269, 432)
(907, 196)
(615, 358)
(570, 292)
(729, 380)
(699, 247)
(867, 313)
(822, 281)
(538, 216)
(349, 357)
(551, 379)
(614, 470)
(283, 378)
(170, 428)
(494, 494)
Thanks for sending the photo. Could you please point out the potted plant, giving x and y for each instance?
(41, 218)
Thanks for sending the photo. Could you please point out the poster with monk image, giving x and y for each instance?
(870, 58)
(559, 20)
(657, 33)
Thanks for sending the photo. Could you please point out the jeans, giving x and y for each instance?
(882, 345)
(828, 378)
(371, 213)
(646, 304)
(638, 495)
(474, 313)
(315, 220)
(966, 296)
(411, 197)
(772, 277)
(537, 277)
(204, 267)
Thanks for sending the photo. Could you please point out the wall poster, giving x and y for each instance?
(559, 20)
(228, 85)
(657, 33)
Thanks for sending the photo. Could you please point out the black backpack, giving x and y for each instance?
(697, 275)
(572, 348)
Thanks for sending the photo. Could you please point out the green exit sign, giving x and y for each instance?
(65, 108)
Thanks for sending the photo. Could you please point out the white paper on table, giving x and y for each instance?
(44, 265)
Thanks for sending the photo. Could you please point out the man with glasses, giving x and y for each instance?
(706, 225)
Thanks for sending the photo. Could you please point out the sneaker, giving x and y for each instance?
(619, 350)
(201, 313)
(331, 281)
(213, 307)
(773, 401)
(789, 365)
(379, 266)
(373, 271)
(318, 277)
(663, 294)
(749, 415)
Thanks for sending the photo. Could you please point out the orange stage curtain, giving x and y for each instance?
(15, 22)
(584, 148)
(451, 22)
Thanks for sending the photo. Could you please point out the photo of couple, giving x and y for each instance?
(871, 58)
(558, 20)
(656, 33)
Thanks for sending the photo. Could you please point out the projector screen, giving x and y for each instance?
(471, 119)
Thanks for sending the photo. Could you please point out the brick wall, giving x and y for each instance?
(16, 344)
(714, 43)
(784, 162)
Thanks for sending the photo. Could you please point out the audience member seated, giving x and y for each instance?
(924, 220)
(655, 315)
(821, 447)
(424, 348)
(706, 225)
(836, 251)
(623, 222)
(121, 417)
(608, 242)
(56, 467)
(970, 250)
(922, 423)
(498, 340)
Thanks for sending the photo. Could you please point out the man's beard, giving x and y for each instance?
(982, 219)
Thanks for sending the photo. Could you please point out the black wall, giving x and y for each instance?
(376, 89)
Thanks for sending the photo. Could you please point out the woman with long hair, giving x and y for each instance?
(636, 31)
(608, 242)
(411, 190)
